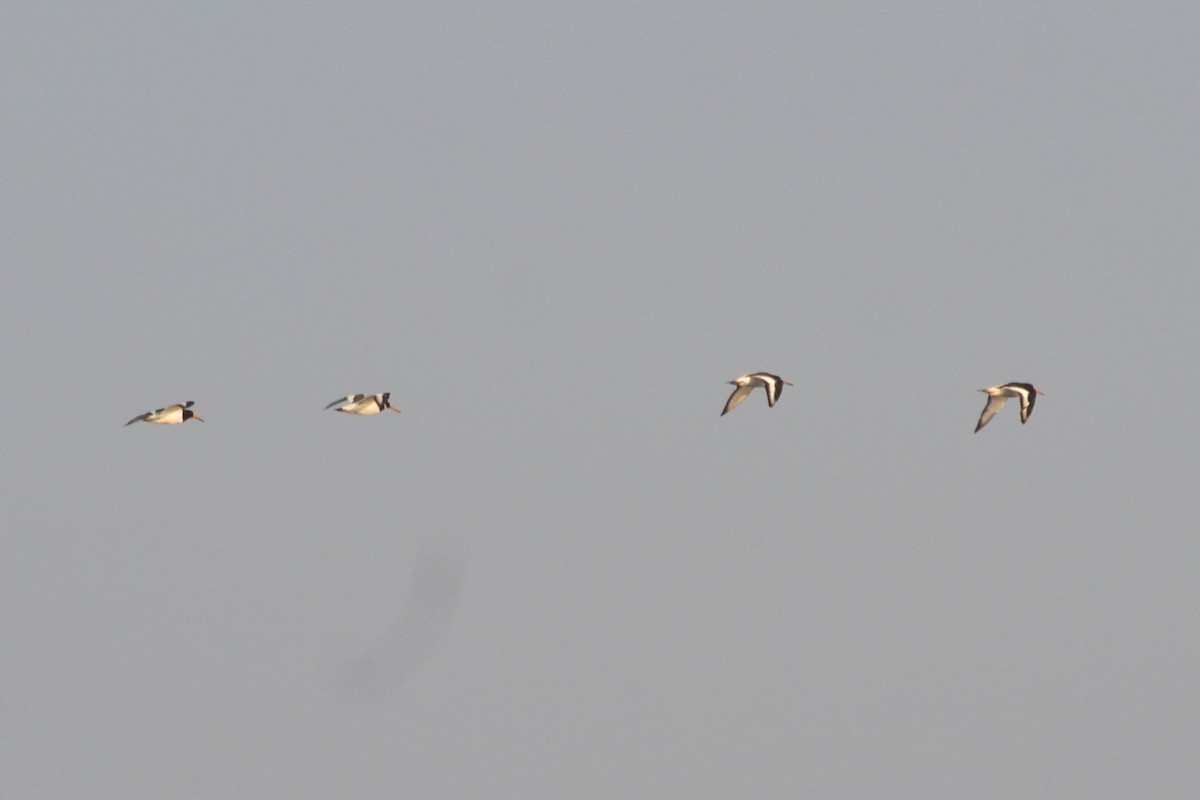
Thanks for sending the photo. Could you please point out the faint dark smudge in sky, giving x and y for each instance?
(433, 596)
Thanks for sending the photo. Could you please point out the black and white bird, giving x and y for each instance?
(772, 384)
(364, 405)
(171, 415)
(998, 396)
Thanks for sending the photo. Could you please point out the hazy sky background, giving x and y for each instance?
(554, 233)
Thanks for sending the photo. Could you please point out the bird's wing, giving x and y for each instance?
(773, 384)
(139, 418)
(1027, 401)
(1028, 397)
(342, 401)
(994, 404)
(735, 399)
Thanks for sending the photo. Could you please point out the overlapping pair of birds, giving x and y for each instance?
(365, 405)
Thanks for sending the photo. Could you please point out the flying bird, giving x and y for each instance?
(364, 405)
(998, 396)
(171, 415)
(773, 384)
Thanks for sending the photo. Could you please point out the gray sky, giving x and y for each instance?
(554, 233)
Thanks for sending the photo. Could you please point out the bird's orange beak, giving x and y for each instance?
(393, 408)
(197, 417)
